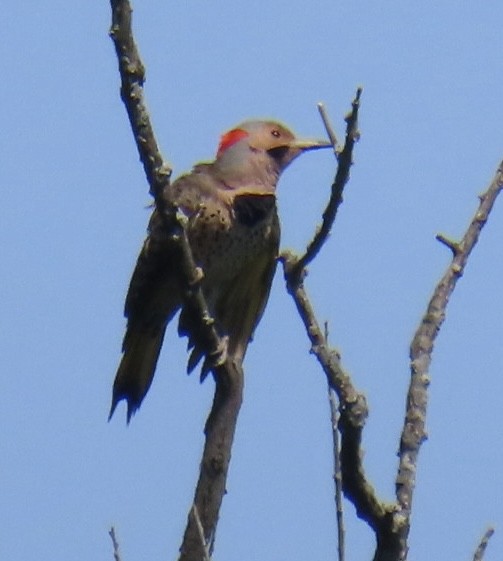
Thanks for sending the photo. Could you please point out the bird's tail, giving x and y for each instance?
(136, 369)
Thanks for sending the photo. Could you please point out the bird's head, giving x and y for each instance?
(261, 148)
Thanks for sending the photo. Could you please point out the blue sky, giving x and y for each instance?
(73, 218)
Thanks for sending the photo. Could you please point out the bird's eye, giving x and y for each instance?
(276, 133)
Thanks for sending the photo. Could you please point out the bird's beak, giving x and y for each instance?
(304, 144)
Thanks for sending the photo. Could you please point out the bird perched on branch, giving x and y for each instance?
(233, 231)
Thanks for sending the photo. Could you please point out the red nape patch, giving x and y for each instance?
(230, 138)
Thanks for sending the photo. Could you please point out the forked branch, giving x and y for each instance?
(353, 405)
(390, 522)
(345, 161)
(421, 349)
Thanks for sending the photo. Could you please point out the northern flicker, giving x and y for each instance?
(233, 231)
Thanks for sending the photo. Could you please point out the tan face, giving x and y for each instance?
(269, 136)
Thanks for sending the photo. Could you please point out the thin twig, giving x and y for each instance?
(481, 549)
(117, 555)
(328, 127)
(452, 245)
(339, 511)
(200, 529)
(228, 374)
(334, 417)
(345, 160)
(414, 432)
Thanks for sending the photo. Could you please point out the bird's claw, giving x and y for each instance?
(198, 275)
(181, 217)
(219, 356)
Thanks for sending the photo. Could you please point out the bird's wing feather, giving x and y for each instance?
(152, 300)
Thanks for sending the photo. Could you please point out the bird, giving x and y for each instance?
(233, 232)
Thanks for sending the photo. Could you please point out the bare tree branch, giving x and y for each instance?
(219, 432)
(390, 522)
(228, 374)
(132, 74)
(353, 413)
(334, 417)
(414, 433)
(341, 178)
(334, 421)
(117, 555)
(481, 549)
(328, 127)
(353, 405)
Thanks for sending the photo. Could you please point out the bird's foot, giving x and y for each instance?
(197, 276)
(220, 354)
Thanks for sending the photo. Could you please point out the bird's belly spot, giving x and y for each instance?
(223, 252)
